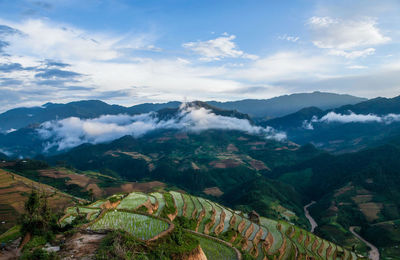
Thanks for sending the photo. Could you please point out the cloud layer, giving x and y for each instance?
(352, 117)
(73, 131)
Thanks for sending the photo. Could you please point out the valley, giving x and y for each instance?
(221, 176)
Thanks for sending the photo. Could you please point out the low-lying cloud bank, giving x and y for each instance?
(73, 131)
(352, 117)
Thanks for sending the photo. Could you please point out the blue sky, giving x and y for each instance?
(130, 52)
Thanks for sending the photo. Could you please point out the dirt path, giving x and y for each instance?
(238, 254)
(308, 216)
(374, 252)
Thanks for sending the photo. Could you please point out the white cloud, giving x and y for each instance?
(289, 38)
(286, 65)
(217, 49)
(345, 37)
(357, 67)
(73, 131)
(351, 117)
(352, 54)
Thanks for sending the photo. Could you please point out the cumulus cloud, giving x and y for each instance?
(217, 49)
(351, 117)
(346, 37)
(73, 131)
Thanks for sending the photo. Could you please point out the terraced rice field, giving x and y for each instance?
(133, 201)
(178, 202)
(271, 225)
(208, 213)
(189, 205)
(269, 239)
(215, 250)
(198, 206)
(97, 204)
(67, 220)
(140, 226)
(218, 216)
(81, 210)
(161, 202)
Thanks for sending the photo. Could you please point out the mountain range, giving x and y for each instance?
(343, 157)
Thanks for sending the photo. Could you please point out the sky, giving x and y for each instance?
(131, 52)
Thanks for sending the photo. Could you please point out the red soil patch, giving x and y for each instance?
(220, 227)
(184, 206)
(145, 187)
(315, 245)
(268, 242)
(202, 214)
(232, 148)
(210, 224)
(241, 226)
(81, 246)
(213, 191)
(225, 164)
(282, 249)
(249, 231)
(259, 165)
(181, 136)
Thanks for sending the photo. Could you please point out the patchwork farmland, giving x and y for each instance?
(150, 216)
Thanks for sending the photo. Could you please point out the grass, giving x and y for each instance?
(215, 250)
(169, 205)
(133, 201)
(11, 234)
(140, 226)
(82, 210)
(97, 204)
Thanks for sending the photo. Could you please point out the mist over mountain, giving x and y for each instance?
(346, 128)
(21, 117)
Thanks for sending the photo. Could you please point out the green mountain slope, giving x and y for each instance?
(357, 189)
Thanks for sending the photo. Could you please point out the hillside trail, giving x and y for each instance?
(308, 216)
(374, 252)
(238, 254)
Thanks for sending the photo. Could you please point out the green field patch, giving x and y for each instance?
(133, 201)
(140, 226)
(197, 206)
(81, 210)
(11, 234)
(215, 250)
(323, 249)
(207, 217)
(255, 230)
(228, 216)
(189, 205)
(237, 221)
(271, 225)
(218, 211)
(246, 226)
(160, 200)
(68, 220)
(178, 201)
(153, 199)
